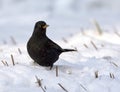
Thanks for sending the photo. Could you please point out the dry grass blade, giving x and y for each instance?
(99, 30)
(39, 83)
(114, 64)
(45, 87)
(64, 40)
(85, 46)
(56, 71)
(62, 87)
(94, 45)
(6, 63)
(83, 87)
(13, 40)
(96, 74)
(19, 50)
(13, 62)
(117, 34)
(112, 75)
(3, 63)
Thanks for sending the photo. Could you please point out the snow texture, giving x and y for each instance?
(95, 67)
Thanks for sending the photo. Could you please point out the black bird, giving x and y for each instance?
(41, 49)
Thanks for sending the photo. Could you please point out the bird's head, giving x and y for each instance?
(40, 29)
(41, 25)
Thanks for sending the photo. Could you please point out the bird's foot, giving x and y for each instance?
(51, 67)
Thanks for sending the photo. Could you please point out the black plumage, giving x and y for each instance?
(41, 49)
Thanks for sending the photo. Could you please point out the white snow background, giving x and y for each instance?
(95, 67)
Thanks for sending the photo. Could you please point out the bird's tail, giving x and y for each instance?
(67, 50)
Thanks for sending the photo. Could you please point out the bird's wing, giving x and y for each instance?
(53, 45)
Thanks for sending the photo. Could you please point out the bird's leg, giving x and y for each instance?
(51, 67)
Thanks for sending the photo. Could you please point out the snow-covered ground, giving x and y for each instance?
(94, 68)
(76, 70)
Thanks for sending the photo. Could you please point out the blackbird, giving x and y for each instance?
(42, 49)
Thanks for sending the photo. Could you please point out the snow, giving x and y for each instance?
(70, 27)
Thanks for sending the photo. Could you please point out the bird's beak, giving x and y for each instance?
(46, 26)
